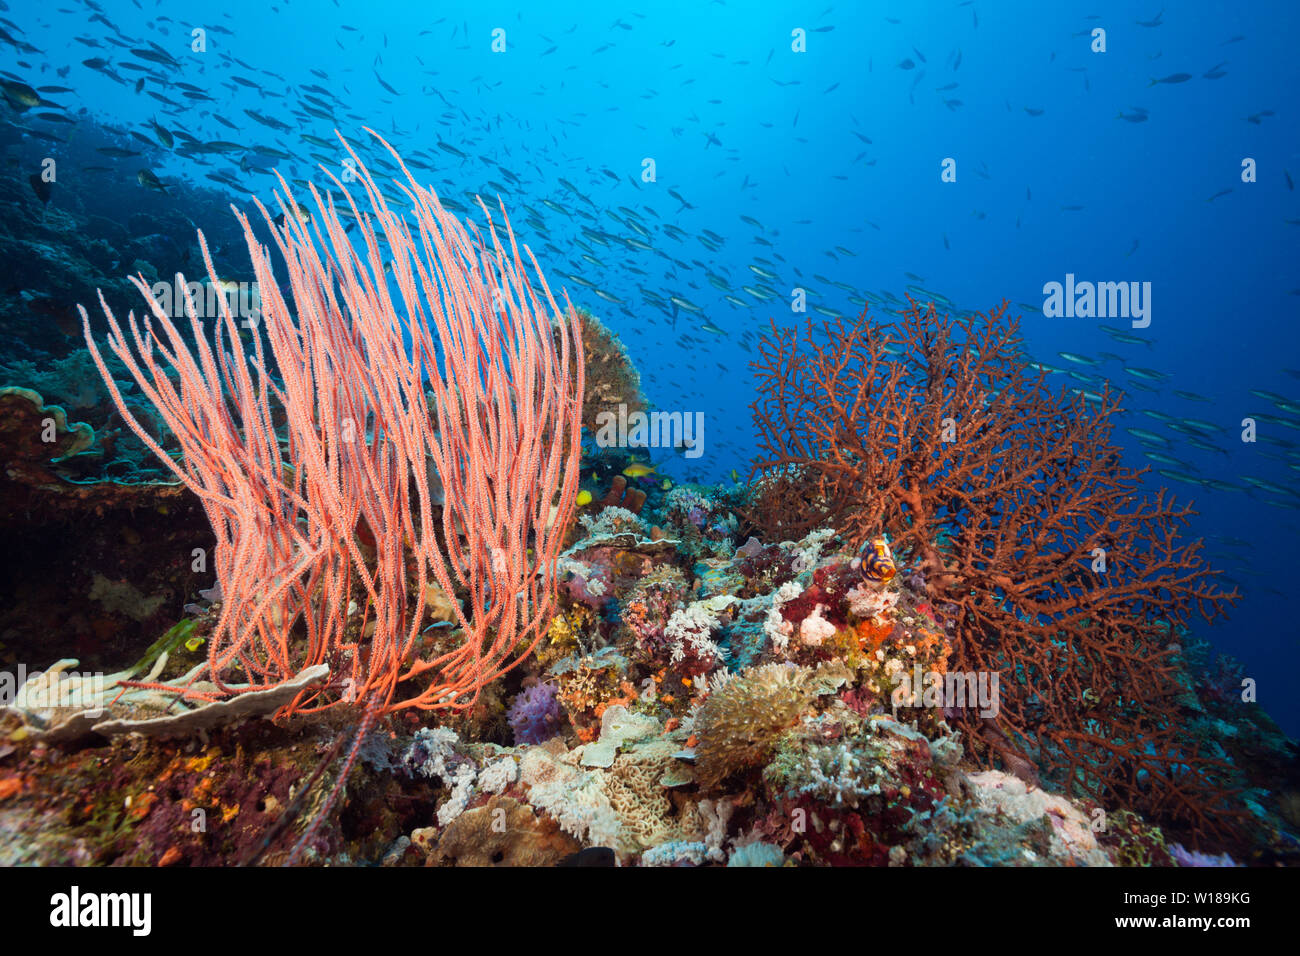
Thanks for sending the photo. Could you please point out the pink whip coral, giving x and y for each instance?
(431, 435)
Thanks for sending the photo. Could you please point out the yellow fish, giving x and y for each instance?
(667, 485)
(584, 498)
(638, 470)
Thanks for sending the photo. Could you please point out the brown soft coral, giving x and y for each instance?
(502, 832)
(621, 496)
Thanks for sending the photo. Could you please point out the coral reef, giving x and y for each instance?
(349, 588)
(612, 379)
(706, 693)
(802, 739)
(1028, 531)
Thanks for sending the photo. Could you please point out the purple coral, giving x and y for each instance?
(1186, 857)
(534, 715)
(1222, 682)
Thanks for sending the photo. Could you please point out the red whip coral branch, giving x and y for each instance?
(431, 432)
(936, 431)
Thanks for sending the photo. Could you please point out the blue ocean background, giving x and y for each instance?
(836, 153)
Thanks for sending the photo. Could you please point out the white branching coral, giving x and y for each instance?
(716, 815)
(777, 628)
(433, 754)
(498, 775)
(572, 796)
(832, 773)
(611, 521)
(719, 679)
(809, 551)
(691, 629)
(462, 788)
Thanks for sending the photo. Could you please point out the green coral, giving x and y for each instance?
(172, 642)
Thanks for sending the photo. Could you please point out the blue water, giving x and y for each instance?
(739, 124)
